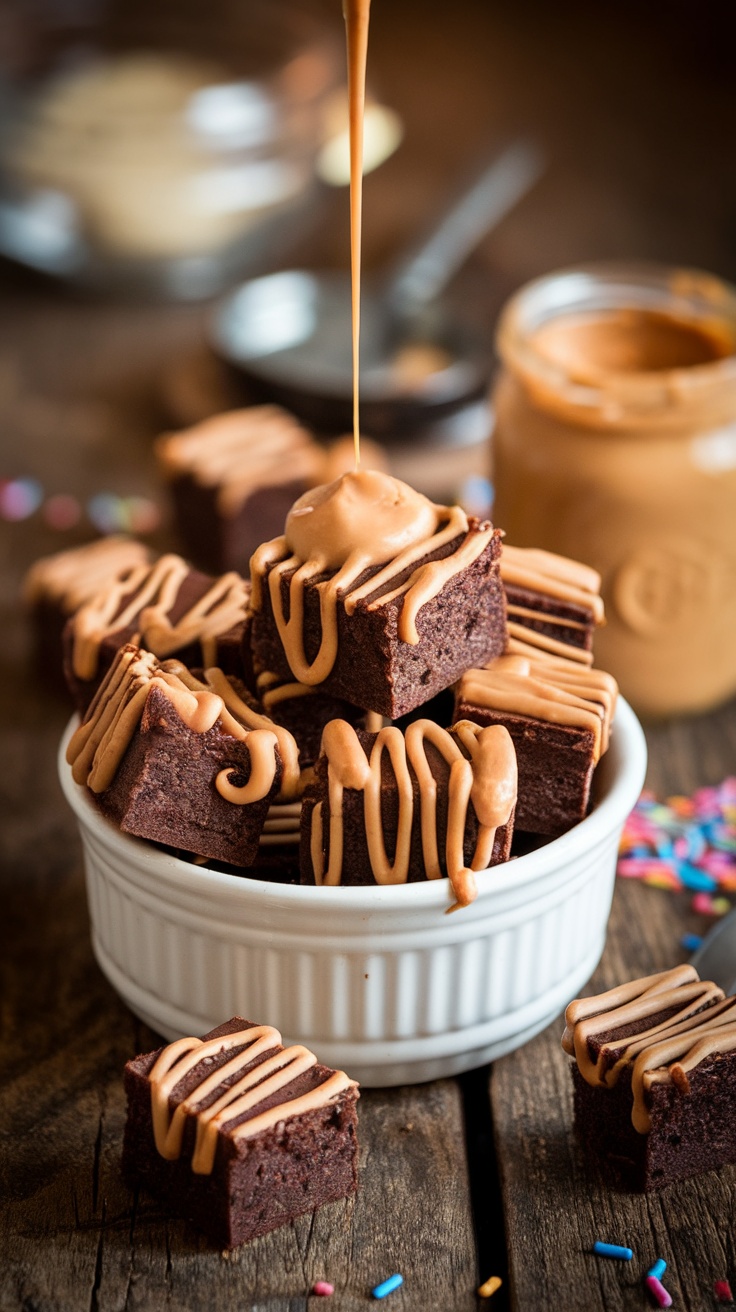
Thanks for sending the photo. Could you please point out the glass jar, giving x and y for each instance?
(161, 147)
(615, 443)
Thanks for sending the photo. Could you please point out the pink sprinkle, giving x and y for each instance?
(323, 1288)
(722, 1291)
(703, 904)
(658, 1292)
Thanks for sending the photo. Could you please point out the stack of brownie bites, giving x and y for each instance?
(391, 695)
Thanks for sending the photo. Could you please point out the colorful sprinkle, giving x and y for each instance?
(691, 942)
(658, 1292)
(612, 1250)
(685, 842)
(489, 1287)
(20, 498)
(387, 1286)
(323, 1288)
(721, 906)
(658, 1269)
(722, 1291)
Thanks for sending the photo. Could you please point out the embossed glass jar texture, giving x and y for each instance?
(615, 443)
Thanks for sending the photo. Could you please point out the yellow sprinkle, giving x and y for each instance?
(490, 1287)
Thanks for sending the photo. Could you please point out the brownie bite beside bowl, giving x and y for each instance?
(655, 1077)
(238, 1133)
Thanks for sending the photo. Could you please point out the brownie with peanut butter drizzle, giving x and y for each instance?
(559, 716)
(234, 477)
(655, 1077)
(395, 808)
(553, 605)
(56, 586)
(237, 1132)
(376, 595)
(167, 608)
(181, 761)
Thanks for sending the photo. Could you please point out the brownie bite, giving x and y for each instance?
(305, 712)
(233, 478)
(655, 1077)
(559, 717)
(390, 808)
(177, 762)
(56, 586)
(341, 602)
(171, 610)
(238, 1133)
(553, 604)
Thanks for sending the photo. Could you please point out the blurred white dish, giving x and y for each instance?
(378, 981)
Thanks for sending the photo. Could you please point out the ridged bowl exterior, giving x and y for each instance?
(378, 981)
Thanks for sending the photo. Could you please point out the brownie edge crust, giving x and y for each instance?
(256, 1183)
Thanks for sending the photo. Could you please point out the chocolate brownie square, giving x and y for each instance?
(167, 607)
(376, 668)
(655, 1078)
(175, 765)
(238, 1133)
(559, 718)
(390, 808)
(56, 586)
(553, 604)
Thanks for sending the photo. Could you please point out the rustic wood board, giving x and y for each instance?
(556, 1205)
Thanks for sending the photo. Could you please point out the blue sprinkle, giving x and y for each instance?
(664, 847)
(690, 942)
(696, 879)
(658, 1270)
(387, 1286)
(612, 1250)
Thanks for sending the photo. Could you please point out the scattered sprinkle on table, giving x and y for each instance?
(323, 1288)
(612, 1250)
(387, 1286)
(489, 1287)
(658, 1269)
(685, 842)
(722, 1291)
(658, 1292)
(691, 942)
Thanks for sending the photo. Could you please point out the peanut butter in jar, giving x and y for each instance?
(615, 443)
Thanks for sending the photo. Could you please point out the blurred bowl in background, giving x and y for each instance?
(163, 151)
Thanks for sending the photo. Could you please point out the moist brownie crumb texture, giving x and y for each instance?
(655, 1077)
(237, 1132)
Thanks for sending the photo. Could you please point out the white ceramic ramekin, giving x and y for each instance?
(377, 981)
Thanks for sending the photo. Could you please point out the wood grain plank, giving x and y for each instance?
(556, 1203)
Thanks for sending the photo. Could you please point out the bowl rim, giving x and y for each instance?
(625, 763)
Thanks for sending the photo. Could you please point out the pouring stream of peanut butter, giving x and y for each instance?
(356, 13)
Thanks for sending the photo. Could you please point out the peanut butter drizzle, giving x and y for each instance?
(664, 1052)
(487, 779)
(98, 746)
(242, 720)
(362, 520)
(241, 450)
(580, 698)
(554, 576)
(539, 647)
(270, 1076)
(154, 591)
(356, 14)
(72, 577)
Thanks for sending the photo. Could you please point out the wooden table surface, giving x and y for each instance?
(459, 1179)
